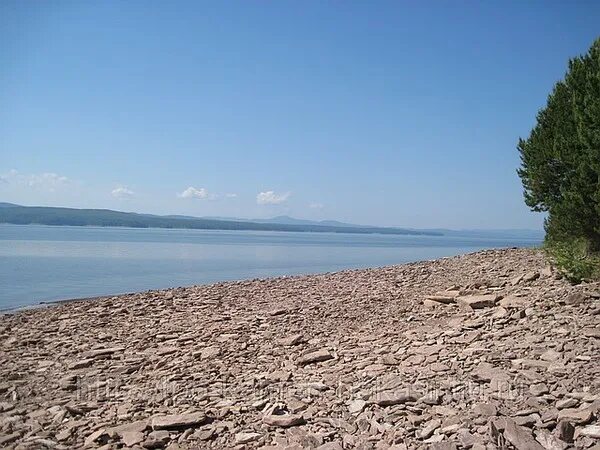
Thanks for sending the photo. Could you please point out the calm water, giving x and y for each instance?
(43, 263)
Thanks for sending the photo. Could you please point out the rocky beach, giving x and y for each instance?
(480, 351)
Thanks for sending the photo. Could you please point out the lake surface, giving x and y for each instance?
(44, 263)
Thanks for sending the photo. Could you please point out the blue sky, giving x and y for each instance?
(385, 113)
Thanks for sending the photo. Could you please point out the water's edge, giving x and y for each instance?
(51, 303)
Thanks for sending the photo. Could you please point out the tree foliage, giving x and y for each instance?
(560, 159)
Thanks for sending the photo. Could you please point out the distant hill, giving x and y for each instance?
(24, 215)
(287, 220)
(284, 220)
(474, 233)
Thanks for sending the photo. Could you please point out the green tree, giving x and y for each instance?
(560, 159)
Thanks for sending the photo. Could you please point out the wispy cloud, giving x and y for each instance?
(50, 180)
(271, 198)
(192, 192)
(203, 194)
(47, 181)
(122, 192)
(316, 205)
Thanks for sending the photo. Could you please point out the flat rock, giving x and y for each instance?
(96, 437)
(477, 301)
(314, 357)
(592, 431)
(512, 301)
(210, 352)
(548, 441)
(97, 353)
(429, 428)
(520, 437)
(283, 420)
(567, 403)
(291, 340)
(390, 398)
(531, 276)
(356, 406)
(485, 409)
(177, 421)
(486, 372)
(137, 426)
(442, 297)
(539, 389)
(578, 416)
(130, 438)
(81, 364)
(591, 332)
(157, 439)
(244, 438)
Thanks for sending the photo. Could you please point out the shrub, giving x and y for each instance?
(574, 259)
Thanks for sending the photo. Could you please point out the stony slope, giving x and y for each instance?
(487, 350)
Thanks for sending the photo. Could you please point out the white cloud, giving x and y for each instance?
(192, 192)
(122, 192)
(47, 181)
(316, 205)
(231, 195)
(10, 177)
(271, 198)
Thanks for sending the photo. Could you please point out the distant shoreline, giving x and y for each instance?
(50, 303)
(42, 215)
(96, 298)
(342, 230)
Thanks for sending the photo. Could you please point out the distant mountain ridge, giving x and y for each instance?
(44, 215)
